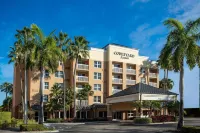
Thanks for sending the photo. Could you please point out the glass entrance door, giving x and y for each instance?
(117, 115)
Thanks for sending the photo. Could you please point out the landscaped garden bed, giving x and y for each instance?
(163, 118)
(34, 127)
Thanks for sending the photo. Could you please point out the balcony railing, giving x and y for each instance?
(117, 80)
(82, 78)
(81, 104)
(153, 84)
(82, 67)
(130, 82)
(115, 91)
(152, 75)
(117, 70)
(130, 71)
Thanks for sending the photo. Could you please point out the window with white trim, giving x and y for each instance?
(97, 87)
(59, 74)
(97, 64)
(45, 98)
(46, 74)
(143, 80)
(60, 85)
(97, 99)
(46, 85)
(97, 75)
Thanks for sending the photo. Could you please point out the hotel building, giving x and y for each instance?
(109, 70)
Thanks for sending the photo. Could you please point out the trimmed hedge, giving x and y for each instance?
(190, 129)
(18, 122)
(54, 120)
(142, 120)
(163, 118)
(34, 127)
(5, 116)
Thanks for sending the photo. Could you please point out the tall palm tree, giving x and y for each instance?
(182, 45)
(47, 57)
(78, 49)
(63, 42)
(16, 56)
(167, 84)
(7, 103)
(7, 88)
(21, 54)
(147, 64)
(83, 94)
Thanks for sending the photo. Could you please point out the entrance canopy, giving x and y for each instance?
(141, 91)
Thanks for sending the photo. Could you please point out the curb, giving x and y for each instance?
(47, 124)
(155, 123)
(54, 131)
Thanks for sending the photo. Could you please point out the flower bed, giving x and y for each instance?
(163, 118)
(34, 127)
(142, 120)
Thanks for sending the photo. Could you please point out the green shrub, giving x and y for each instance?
(54, 120)
(5, 116)
(21, 121)
(34, 127)
(142, 120)
(190, 129)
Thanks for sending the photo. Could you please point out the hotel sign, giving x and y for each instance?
(124, 55)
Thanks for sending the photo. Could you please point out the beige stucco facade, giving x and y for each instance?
(120, 67)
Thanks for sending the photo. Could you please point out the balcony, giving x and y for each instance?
(152, 75)
(131, 71)
(82, 67)
(117, 81)
(153, 84)
(83, 103)
(117, 70)
(130, 82)
(115, 91)
(82, 78)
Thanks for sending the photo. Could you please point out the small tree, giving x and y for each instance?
(83, 94)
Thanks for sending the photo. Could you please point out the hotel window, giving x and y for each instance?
(97, 87)
(97, 64)
(97, 75)
(117, 65)
(45, 98)
(59, 74)
(46, 73)
(143, 80)
(97, 99)
(46, 85)
(117, 87)
(129, 67)
(60, 85)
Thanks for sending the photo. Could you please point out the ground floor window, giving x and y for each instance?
(102, 114)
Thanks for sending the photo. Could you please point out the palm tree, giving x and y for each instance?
(16, 55)
(55, 96)
(138, 106)
(83, 94)
(47, 57)
(62, 43)
(78, 49)
(182, 45)
(147, 64)
(167, 84)
(7, 103)
(152, 105)
(7, 88)
(21, 54)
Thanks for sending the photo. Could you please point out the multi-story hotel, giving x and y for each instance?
(109, 70)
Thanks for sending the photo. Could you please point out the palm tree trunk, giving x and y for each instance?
(41, 115)
(181, 106)
(6, 94)
(22, 92)
(75, 87)
(25, 93)
(148, 76)
(64, 88)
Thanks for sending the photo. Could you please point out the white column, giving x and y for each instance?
(59, 114)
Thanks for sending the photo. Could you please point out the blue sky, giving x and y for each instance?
(134, 23)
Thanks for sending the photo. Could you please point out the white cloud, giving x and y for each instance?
(142, 36)
(6, 70)
(184, 9)
(139, 1)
